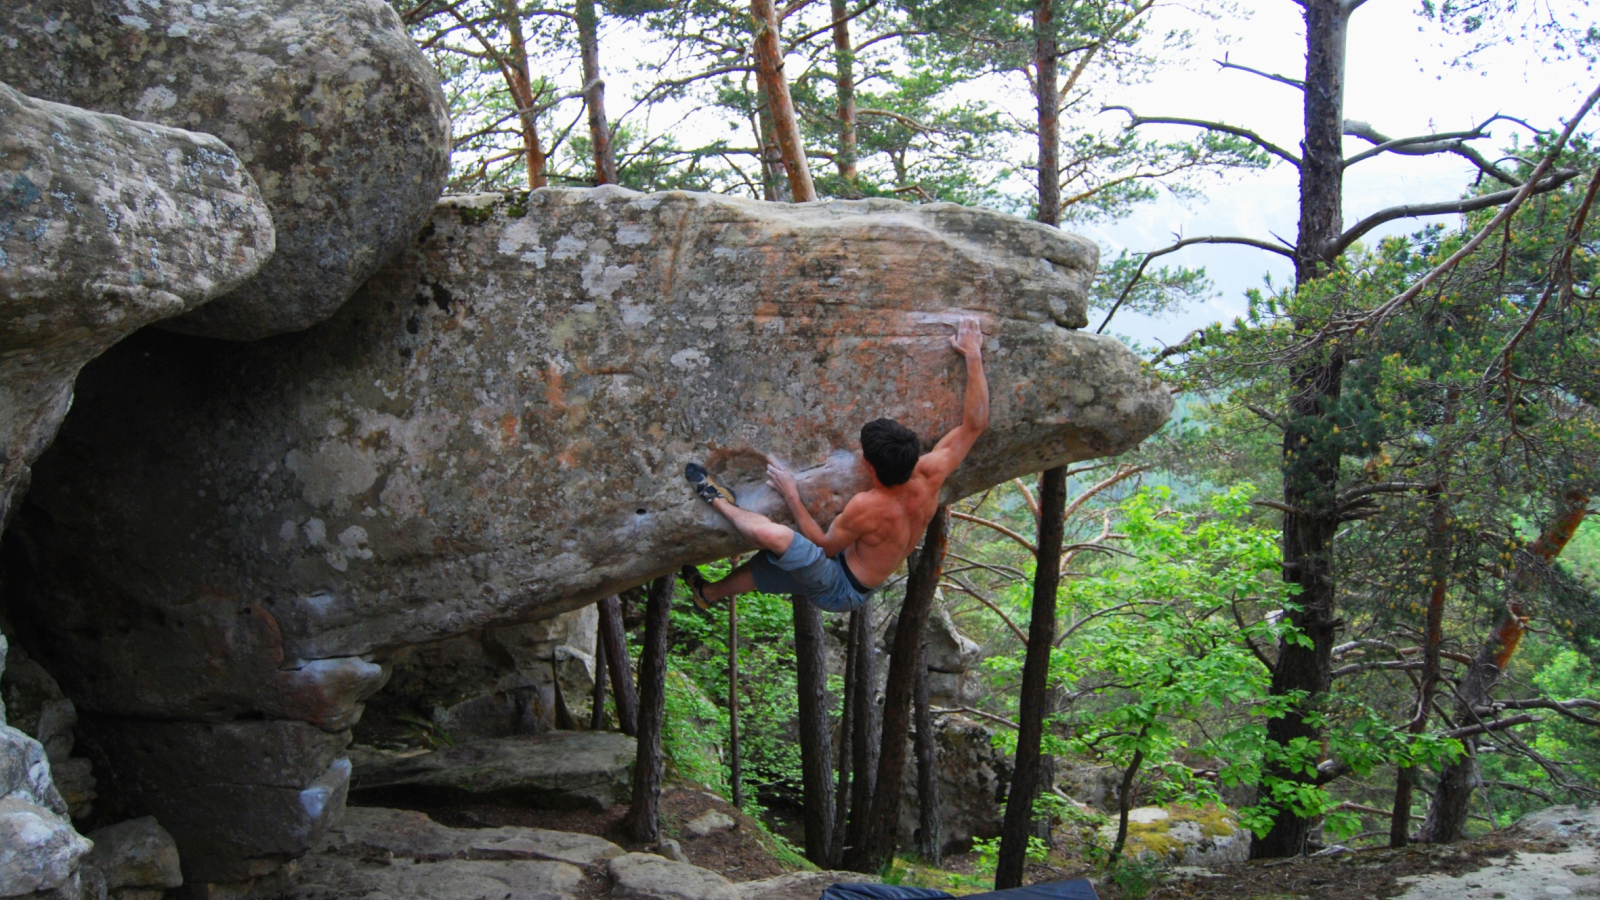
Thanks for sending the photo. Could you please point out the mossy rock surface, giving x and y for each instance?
(1183, 835)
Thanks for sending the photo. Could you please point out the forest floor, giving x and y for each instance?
(1505, 865)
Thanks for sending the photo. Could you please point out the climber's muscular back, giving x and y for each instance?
(880, 527)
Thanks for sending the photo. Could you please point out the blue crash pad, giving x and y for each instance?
(880, 892)
(1076, 889)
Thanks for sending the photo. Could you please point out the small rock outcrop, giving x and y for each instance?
(329, 103)
(646, 876)
(106, 225)
(560, 770)
(136, 857)
(493, 432)
(373, 832)
(974, 776)
(39, 849)
(1181, 836)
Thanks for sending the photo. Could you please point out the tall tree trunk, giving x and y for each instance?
(1013, 857)
(1447, 814)
(769, 70)
(816, 749)
(644, 813)
(847, 710)
(930, 834)
(1046, 65)
(519, 78)
(1310, 462)
(597, 700)
(774, 184)
(594, 93)
(735, 776)
(1439, 547)
(877, 844)
(866, 730)
(616, 641)
(844, 62)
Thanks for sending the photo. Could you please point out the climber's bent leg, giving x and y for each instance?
(756, 528)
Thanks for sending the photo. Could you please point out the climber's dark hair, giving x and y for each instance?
(892, 449)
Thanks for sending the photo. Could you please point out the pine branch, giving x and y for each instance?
(1136, 120)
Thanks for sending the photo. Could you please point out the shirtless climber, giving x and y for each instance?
(838, 570)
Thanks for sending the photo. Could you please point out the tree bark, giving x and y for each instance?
(866, 729)
(816, 749)
(616, 641)
(774, 185)
(878, 842)
(594, 93)
(1447, 814)
(597, 700)
(844, 60)
(1013, 857)
(1046, 66)
(519, 79)
(1439, 564)
(930, 834)
(644, 813)
(1125, 797)
(1311, 463)
(769, 70)
(735, 776)
(847, 706)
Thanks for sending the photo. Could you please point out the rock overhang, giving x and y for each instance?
(494, 429)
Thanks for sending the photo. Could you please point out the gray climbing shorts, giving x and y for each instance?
(804, 571)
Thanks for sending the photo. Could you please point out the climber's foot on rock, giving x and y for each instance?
(697, 584)
(708, 489)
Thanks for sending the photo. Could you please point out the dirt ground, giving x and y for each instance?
(745, 853)
(1363, 875)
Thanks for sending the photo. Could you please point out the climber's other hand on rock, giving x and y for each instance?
(968, 339)
(780, 479)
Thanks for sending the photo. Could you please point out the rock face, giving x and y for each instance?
(328, 102)
(39, 850)
(562, 770)
(378, 833)
(1182, 836)
(491, 683)
(106, 225)
(239, 798)
(974, 776)
(646, 876)
(493, 432)
(36, 706)
(137, 853)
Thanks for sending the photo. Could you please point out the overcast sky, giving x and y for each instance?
(1400, 80)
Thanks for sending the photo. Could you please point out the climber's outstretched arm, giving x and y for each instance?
(938, 463)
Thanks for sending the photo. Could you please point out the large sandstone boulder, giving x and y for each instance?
(106, 225)
(493, 431)
(329, 103)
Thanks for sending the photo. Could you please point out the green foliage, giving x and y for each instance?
(768, 694)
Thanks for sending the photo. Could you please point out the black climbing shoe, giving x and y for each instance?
(708, 490)
(697, 585)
